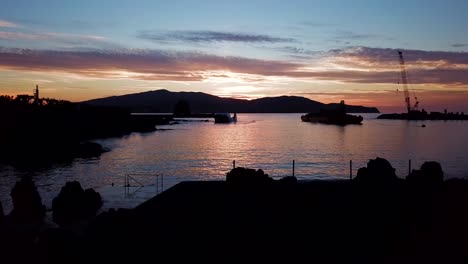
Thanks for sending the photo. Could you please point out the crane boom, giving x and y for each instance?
(404, 81)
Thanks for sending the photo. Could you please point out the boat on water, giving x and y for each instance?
(225, 118)
(335, 116)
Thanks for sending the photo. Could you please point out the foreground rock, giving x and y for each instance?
(1, 213)
(89, 150)
(74, 204)
(378, 170)
(27, 203)
(430, 173)
(247, 177)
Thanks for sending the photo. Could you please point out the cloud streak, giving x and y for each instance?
(7, 35)
(353, 65)
(297, 51)
(60, 40)
(347, 37)
(460, 45)
(317, 24)
(378, 57)
(140, 64)
(209, 36)
(7, 24)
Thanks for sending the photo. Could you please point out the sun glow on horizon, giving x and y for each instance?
(280, 51)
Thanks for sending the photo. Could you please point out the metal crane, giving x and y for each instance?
(404, 79)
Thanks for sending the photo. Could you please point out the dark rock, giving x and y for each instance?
(74, 204)
(89, 149)
(430, 173)
(433, 171)
(2, 219)
(54, 245)
(247, 177)
(415, 176)
(377, 170)
(143, 123)
(93, 200)
(288, 180)
(362, 173)
(1, 212)
(108, 226)
(27, 203)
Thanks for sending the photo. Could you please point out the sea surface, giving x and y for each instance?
(196, 150)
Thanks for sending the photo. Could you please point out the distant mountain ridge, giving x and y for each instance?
(163, 101)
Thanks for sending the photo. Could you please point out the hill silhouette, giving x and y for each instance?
(163, 101)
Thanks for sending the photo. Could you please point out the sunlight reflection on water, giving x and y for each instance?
(205, 151)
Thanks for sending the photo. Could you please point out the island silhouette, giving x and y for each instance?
(163, 101)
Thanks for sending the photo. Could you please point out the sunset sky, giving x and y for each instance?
(324, 50)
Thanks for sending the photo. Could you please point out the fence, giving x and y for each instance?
(156, 180)
(351, 174)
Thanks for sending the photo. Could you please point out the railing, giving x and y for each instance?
(132, 177)
(350, 168)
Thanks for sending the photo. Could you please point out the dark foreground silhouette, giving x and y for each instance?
(250, 217)
(40, 131)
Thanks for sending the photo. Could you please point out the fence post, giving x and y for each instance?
(234, 164)
(350, 169)
(294, 165)
(409, 167)
(157, 184)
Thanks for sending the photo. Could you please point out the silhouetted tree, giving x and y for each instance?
(73, 203)
(430, 173)
(377, 170)
(27, 203)
(182, 108)
(247, 177)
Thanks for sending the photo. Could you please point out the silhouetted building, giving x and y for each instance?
(36, 95)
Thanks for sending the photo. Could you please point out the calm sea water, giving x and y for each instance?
(205, 151)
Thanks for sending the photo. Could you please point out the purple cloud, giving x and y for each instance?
(209, 36)
(151, 64)
(382, 55)
(297, 51)
(196, 66)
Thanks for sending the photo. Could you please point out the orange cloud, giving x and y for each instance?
(146, 64)
(7, 24)
(356, 65)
